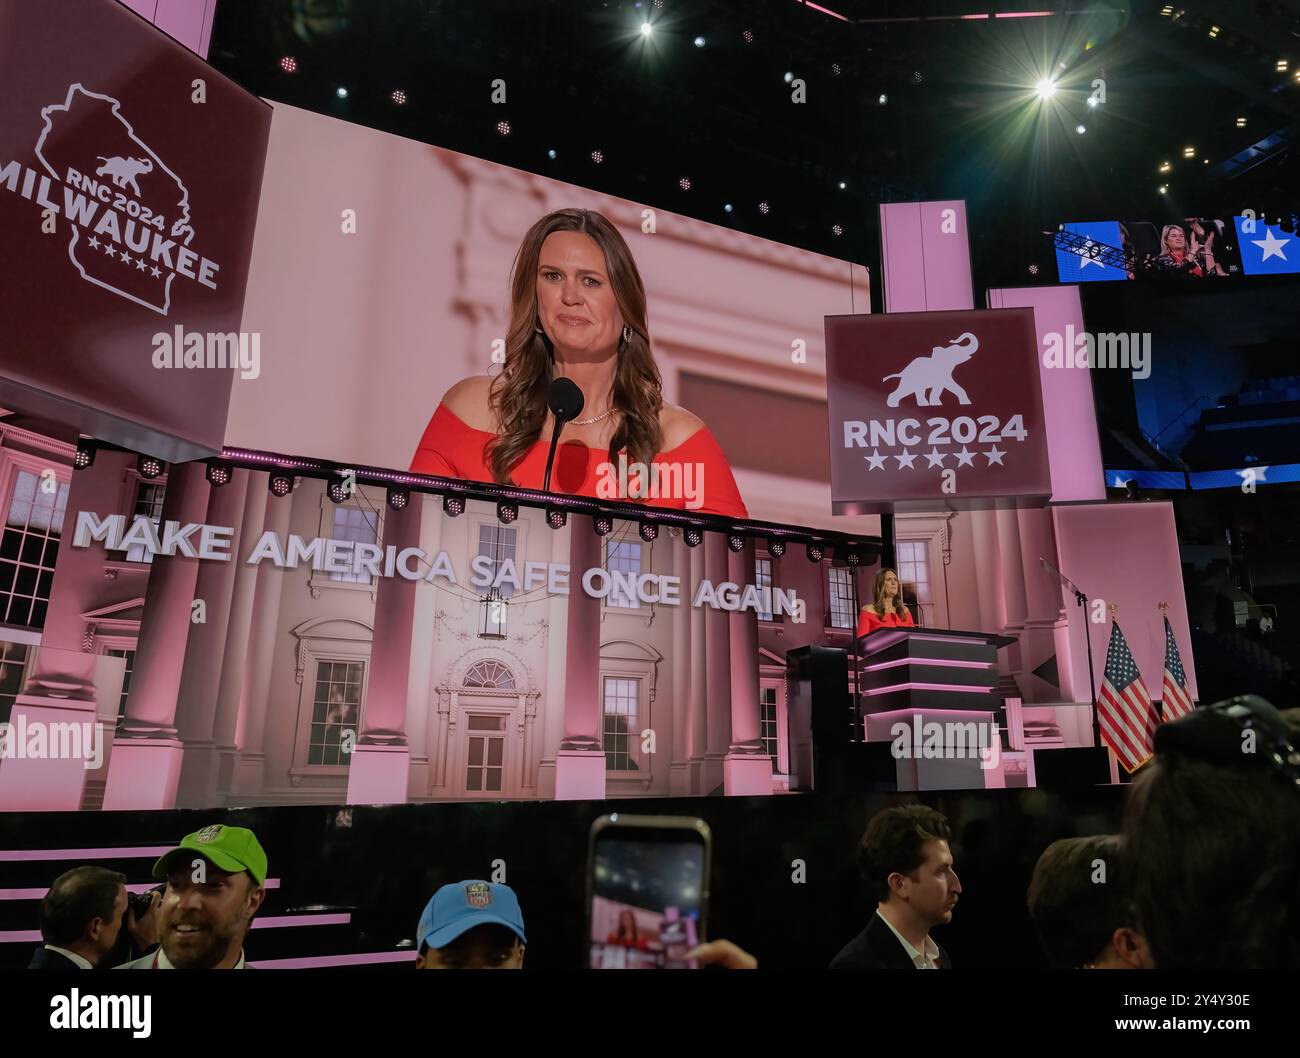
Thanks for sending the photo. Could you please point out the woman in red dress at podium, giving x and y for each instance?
(888, 609)
(578, 309)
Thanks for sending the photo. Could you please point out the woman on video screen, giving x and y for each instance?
(1177, 259)
(578, 309)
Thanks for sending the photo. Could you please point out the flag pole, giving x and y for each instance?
(1164, 613)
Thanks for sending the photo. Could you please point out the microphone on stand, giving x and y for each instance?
(565, 401)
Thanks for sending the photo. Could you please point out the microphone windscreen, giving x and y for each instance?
(565, 399)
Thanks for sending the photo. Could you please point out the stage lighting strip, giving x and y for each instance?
(942, 663)
(928, 687)
(134, 887)
(33, 936)
(666, 516)
(315, 962)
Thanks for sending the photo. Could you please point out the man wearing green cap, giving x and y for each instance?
(215, 883)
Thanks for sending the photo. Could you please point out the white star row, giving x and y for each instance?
(125, 257)
(965, 458)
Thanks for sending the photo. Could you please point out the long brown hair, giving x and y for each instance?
(878, 593)
(518, 394)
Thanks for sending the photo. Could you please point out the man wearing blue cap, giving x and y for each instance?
(471, 925)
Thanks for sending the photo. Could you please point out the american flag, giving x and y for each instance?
(1176, 701)
(1124, 710)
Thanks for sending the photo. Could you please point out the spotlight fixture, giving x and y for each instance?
(836, 229)
(1214, 32)
(1241, 123)
(1163, 189)
(1080, 129)
(649, 531)
(646, 29)
(453, 505)
(503, 128)
(1093, 101)
(917, 77)
(684, 183)
(219, 473)
(835, 69)
(341, 92)
(1033, 269)
(788, 77)
(1281, 65)
(556, 517)
(735, 542)
(399, 498)
(853, 557)
(764, 208)
(398, 97)
(728, 208)
(883, 99)
(693, 537)
(1189, 152)
(748, 36)
(289, 64)
(150, 467)
(1165, 167)
(603, 524)
(699, 42)
(776, 548)
(843, 185)
(507, 512)
(340, 488)
(85, 455)
(1045, 88)
(815, 553)
(280, 483)
(598, 157)
(551, 154)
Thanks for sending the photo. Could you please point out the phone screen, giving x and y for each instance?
(648, 894)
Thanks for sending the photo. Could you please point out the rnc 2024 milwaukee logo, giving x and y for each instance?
(129, 214)
(928, 380)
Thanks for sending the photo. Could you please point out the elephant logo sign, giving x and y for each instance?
(927, 378)
(123, 171)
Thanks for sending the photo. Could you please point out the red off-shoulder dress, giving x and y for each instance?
(451, 448)
(869, 622)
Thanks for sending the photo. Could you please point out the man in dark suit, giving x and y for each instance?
(81, 916)
(905, 859)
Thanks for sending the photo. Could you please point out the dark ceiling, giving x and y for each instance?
(959, 117)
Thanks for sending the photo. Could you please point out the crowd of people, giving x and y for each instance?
(1205, 874)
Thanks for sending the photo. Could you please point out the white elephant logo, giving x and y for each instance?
(927, 377)
(124, 170)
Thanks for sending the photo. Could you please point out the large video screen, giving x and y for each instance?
(1187, 248)
(384, 281)
(472, 647)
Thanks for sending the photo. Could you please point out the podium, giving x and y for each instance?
(929, 669)
(929, 703)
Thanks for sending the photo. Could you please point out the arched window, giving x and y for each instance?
(490, 674)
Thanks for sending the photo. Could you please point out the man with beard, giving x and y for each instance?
(215, 883)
